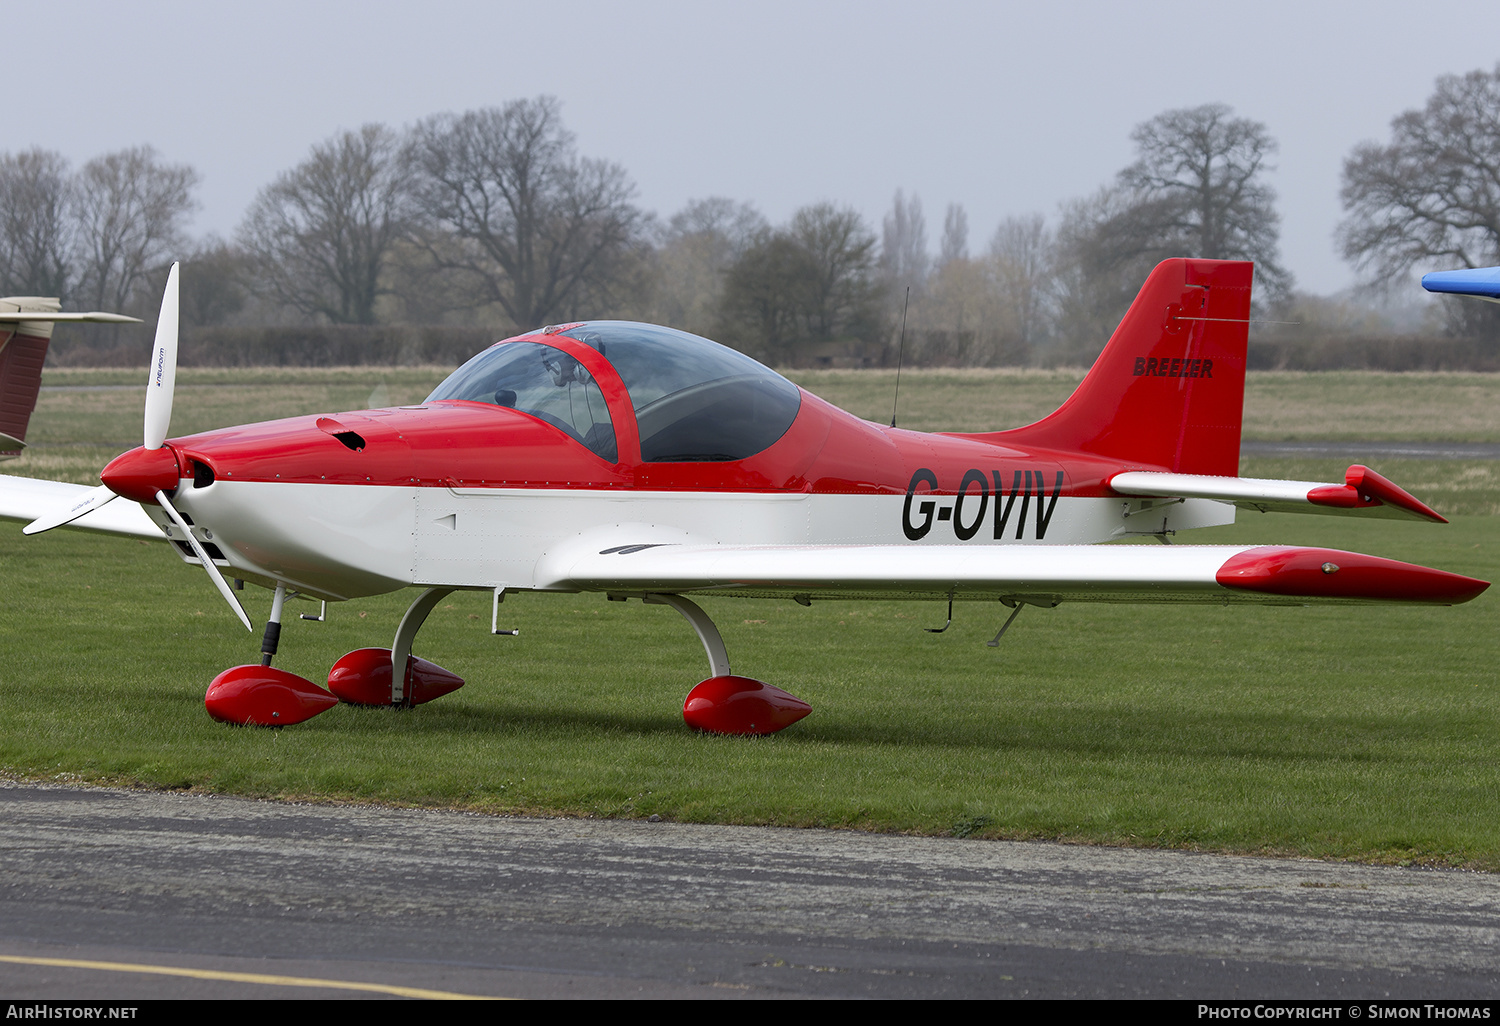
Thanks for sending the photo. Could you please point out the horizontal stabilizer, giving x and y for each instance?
(1479, 282)
(47, 316)
(1038, 574)
(1363, 491)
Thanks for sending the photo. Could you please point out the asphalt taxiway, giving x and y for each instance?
(134, 894)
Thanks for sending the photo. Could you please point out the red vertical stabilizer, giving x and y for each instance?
(21, 358)
(1169, 388)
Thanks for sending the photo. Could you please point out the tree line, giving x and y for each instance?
(493, 218)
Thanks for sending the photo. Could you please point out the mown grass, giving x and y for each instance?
(1343, 732)
(1363, 733)
(1279, 405)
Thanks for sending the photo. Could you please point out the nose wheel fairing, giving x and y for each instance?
(264, 696)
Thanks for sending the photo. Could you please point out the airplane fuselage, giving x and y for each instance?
(472, 495)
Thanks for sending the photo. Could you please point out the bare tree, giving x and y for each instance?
(992, 310)
(130, 210)
(700, 243)
(955, 245)
(903, 252)
(319, 237)
(731, 225)
(1093, 282)
(1021, 256)
(812, 281)
(1198, 190)
(841, 300)
(35, 231)
(508, 205)
(1431, 197)
(214, 279)
(1195, 190)
(762, 310)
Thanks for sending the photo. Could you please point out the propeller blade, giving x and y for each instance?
(163, 376)
(208, 564)
(90, 502)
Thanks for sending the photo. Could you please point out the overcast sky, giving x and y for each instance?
(1007, 108)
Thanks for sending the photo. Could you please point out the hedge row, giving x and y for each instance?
(339, 345)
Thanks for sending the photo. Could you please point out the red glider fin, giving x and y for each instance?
(23, 348)
(25, 331)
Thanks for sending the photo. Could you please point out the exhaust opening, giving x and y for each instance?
(214, 552)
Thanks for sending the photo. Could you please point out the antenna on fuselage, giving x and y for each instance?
(900, 354)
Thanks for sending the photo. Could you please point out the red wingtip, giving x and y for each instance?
(1363, 487)
(1335, 574)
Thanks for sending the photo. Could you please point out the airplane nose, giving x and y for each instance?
(140, 473)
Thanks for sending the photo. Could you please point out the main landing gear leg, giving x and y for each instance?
(262, 695)
(724, 703)
(365, 677)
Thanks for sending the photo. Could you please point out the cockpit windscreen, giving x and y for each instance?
(540, 380)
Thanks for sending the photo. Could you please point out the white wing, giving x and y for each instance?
(1040, 574)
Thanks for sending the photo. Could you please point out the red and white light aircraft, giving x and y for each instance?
(647, 463)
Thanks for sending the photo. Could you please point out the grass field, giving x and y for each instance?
(1363, 733)
(1279, 405)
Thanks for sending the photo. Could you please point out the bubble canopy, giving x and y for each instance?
(693, 399)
